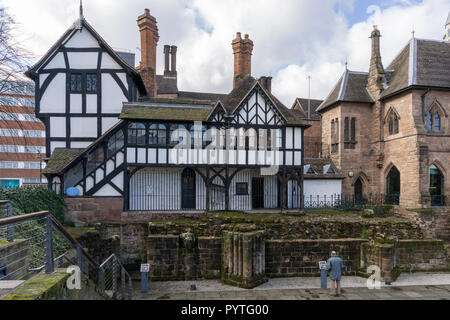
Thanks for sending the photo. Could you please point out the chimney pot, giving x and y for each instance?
(238, 35)
(246, 36)
(147, 11)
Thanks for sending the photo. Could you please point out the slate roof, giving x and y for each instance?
(60, 159)
(424, 63)
(318, 165)
(301, 104)
(201, 96)
(351, 87)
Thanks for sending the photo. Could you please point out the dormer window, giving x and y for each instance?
(328, 169)
(309, 169)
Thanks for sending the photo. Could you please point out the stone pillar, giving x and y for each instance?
(243, 259)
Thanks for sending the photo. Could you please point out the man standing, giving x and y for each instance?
(334, 268)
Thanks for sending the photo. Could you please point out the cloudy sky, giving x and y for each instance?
(293, 38)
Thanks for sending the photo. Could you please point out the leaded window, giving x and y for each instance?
(157, 134)
(76, 82)
(115, 143)
(91, 83)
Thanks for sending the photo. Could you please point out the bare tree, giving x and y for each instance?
(14, 60)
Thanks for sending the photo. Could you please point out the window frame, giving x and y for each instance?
(239, 187)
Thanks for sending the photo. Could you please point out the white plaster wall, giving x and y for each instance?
(83, 60)
(57, 144)
(322, 187)
(108, 123)
(76, 144)
(112, 95)
(83, 127)
(109, 63)
(75, 103)
(107, 191)
(57, 127)
(57, 62)
(54, 98)
(91, 103)
(82, 39)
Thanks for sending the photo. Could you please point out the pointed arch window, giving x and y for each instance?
(393, 122)
(434, 118)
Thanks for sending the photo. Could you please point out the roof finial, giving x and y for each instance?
(346, 64)
(413, 32)
(81, 9)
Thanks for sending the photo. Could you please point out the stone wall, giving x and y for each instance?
(171, 259)
(84, 211)
(14, 255)
(289, 258)
(435, 222)
(405, 256)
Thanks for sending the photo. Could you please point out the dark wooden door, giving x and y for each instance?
(358, 190)
(188, 189)
(258, 193)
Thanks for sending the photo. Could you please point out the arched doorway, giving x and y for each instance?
(393, 186)
(436, 186)
(188, 189)
(358, 190)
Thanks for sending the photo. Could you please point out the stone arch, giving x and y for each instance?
(439, 165)
(363, 176)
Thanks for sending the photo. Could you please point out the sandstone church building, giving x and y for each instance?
(388, 130)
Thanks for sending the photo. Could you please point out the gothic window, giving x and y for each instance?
(349, 133)
(91, 83)
(437, 122)
(75, 83)
(393, 122)
(136, 133)
(334, 135)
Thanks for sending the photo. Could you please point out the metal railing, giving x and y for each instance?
(41, 243)
(348, 202)
(114, 280)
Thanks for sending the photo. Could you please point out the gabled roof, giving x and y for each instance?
(301, 104)
(351, 87)
(82, 23)
(60, 159)
(233, 100)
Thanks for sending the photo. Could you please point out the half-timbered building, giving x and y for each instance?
(117, 131)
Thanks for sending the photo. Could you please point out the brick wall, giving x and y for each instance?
(290, 258)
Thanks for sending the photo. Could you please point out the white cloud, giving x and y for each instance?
(292, 38)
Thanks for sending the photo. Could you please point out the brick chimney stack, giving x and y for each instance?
(149, 40)
(166, 58)
(173, 52)
(377, 76)
(242, 49)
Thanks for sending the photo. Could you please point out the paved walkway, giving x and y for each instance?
(408, 286)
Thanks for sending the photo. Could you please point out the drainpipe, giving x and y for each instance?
(423, 104)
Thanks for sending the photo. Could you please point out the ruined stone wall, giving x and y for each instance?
(289, 258)
(395, 257)
(170, 259)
